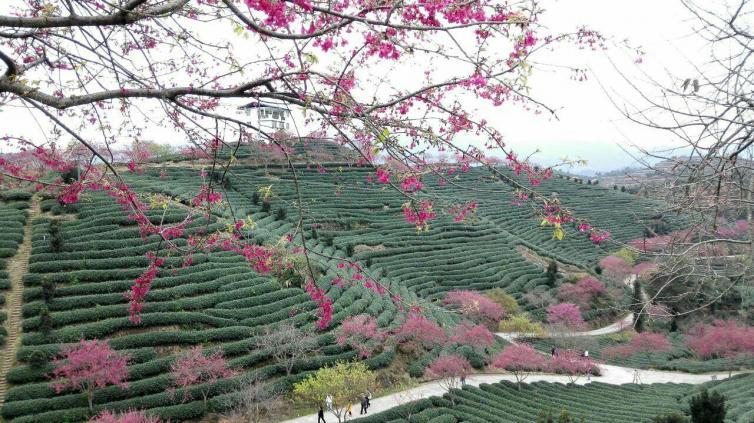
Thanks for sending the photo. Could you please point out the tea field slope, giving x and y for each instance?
(217, 301)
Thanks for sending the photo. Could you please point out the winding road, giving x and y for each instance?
(614, 375)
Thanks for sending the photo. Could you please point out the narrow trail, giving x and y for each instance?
(17, 267)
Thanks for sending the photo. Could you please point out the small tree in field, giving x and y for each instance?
(362, 334)
(571, 364)
(256, 399)
(642, 343)
(344, 382)
(130, 416)
(475, 307)
(288, 344)
(418, 334)
(449, 369)
(520, 359)
(88, 366)
(197, 368)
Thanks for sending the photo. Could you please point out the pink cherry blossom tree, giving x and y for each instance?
(130, 416)
(418, 334)
(197, 368)
(88, 366)
(564, 320)
(582, 292)
(615, 267)
(91, 71)
(572, 364)
(475, 307)
(647, 343)
(449, 369)
(362, 334)
(478, 337)
(566, 316)
(520, 359)
(722, 339)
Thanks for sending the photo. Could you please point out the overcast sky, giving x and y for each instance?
(590, 126)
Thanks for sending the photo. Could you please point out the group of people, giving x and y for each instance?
(348, 412)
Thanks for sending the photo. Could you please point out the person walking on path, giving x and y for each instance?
(364, 406)
(349, 411)
(321, 415)
(328, 403)
(553, 351)
(369, 395)
(636, 376)
(463, 380)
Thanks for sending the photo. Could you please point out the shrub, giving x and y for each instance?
(671, 418)
(520, 323)
(505, 300)
(15, 195)
(707, 408)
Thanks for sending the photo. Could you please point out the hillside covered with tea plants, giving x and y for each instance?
(85, 255)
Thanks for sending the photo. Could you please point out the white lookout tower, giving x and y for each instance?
(269, 118)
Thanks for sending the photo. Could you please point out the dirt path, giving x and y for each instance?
(17, 267)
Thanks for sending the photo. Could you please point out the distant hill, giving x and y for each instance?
(301, 150)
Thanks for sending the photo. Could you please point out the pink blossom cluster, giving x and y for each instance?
(582, 292)
(411, 184)
(721, 339)
(361, 333)
(324, 304)
(644, 342)
(565, 314)
(475, 307)
(420, 214)
(449, 366)
(89, 365)
(129, 416)
(195, 367)
(206, 195)
(460, 211)
(139, 290)
(520, 359)
(615, 266)
(598, 237)
(418, 334)
(736, 229)
(571, 363)
(477, 336)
